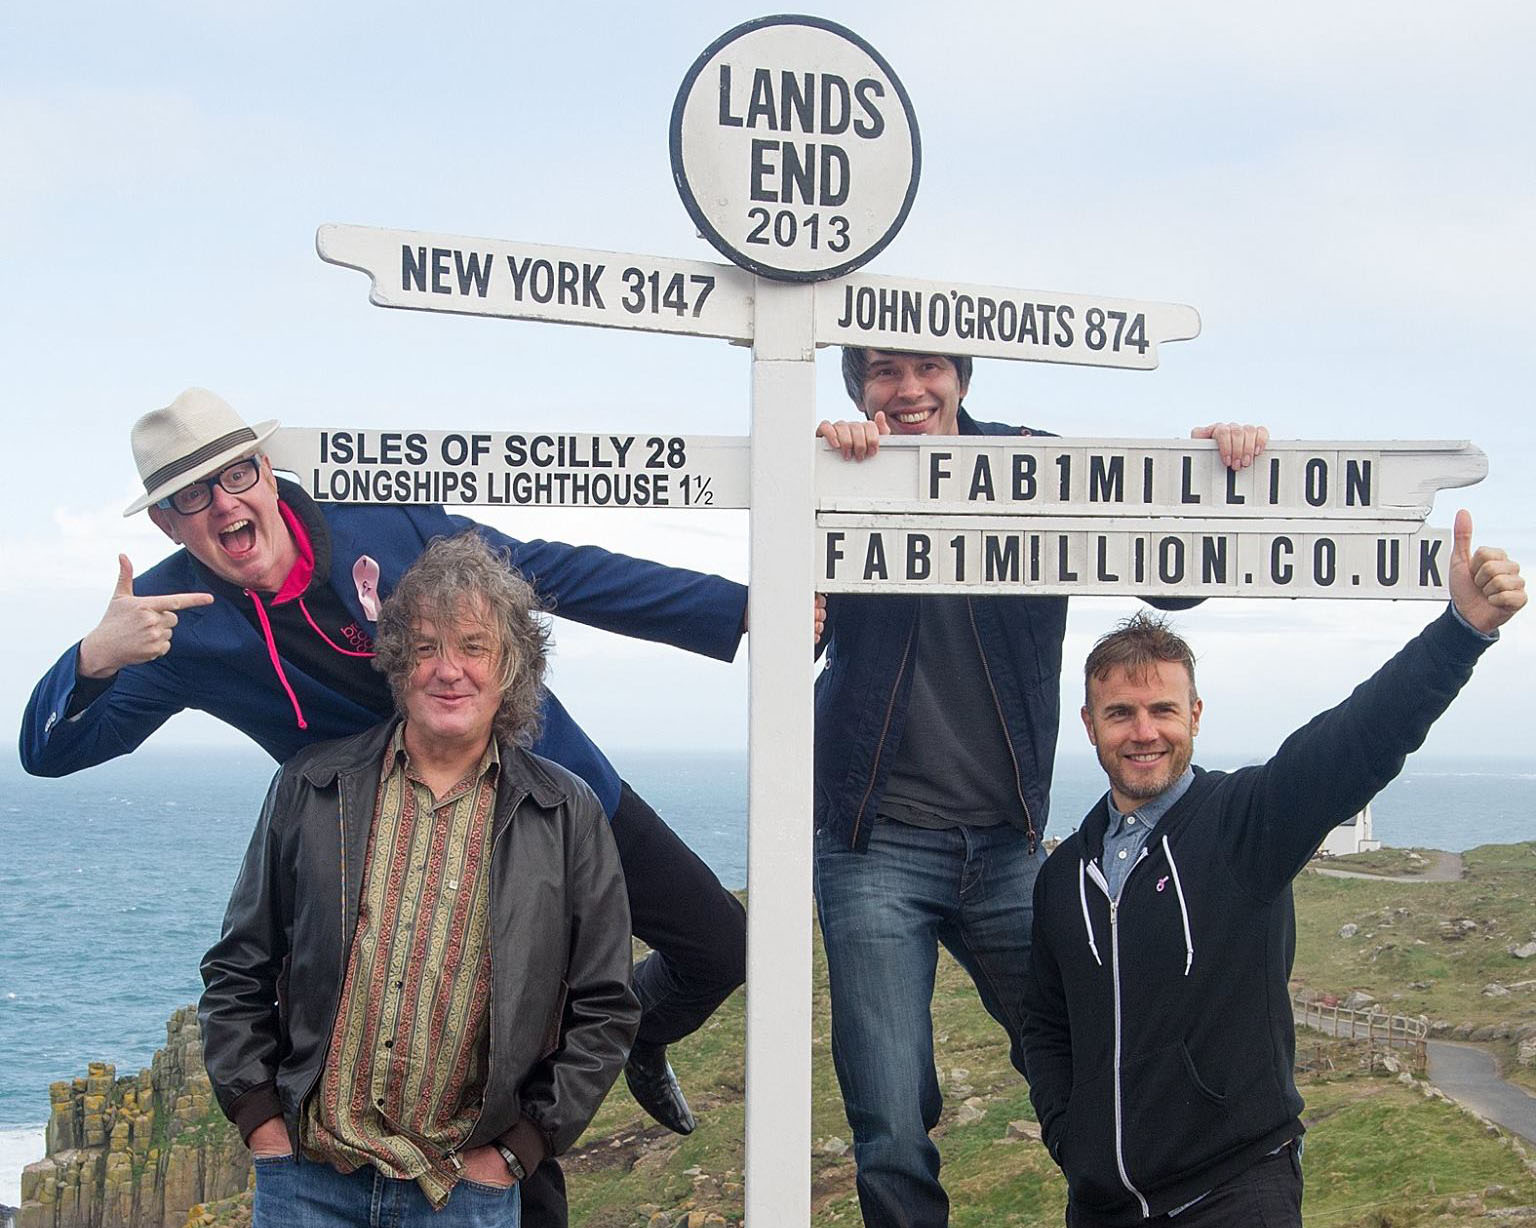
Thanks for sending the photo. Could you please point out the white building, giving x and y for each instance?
(1353, 835)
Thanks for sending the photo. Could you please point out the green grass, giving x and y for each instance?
(1379, 1154)
(1429, 948)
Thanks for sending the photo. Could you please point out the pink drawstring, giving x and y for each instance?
(277, 665)
(346, 652)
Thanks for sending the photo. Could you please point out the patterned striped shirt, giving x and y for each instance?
(405, 1073)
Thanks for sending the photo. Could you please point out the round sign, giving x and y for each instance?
(795, 148)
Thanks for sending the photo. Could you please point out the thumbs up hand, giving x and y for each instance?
(1486, 587)
(134, 629)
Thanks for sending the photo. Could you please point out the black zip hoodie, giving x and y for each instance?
(1158, 1038)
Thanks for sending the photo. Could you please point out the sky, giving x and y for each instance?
(1343, 190)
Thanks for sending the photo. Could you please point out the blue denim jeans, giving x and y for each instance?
(298, 1193)
(883, 914)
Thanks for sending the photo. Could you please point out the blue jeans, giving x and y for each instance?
(883, 914)
(298, 1193)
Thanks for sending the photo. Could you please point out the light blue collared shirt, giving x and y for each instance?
(1127, 834)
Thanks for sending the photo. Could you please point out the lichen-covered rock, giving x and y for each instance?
(137, 1152)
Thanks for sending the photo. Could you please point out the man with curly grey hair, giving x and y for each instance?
(465, 1010)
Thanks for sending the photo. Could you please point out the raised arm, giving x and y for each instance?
(1331, 767)
(629, 596)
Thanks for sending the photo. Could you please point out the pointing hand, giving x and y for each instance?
(134, 629)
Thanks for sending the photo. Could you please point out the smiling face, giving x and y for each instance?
(455, 685)
(242, 538)
(1142, 723)
(918, 393)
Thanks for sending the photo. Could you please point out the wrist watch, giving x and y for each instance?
(514, 1165)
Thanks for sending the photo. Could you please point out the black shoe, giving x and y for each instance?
(654, 1087)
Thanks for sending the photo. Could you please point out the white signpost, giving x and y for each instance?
(795, 148)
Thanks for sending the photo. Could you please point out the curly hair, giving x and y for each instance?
(856, 368)
(1137, 644)
(451, 578)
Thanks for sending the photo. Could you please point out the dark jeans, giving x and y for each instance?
(1265, 1195)
(295, 1193)
(697, 932)
(883, 914)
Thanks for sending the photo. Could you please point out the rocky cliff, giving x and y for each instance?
(138, 1152)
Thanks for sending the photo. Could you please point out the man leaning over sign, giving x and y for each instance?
(1158, 1032)
(936, 722)
(442, 917)
(265, 619)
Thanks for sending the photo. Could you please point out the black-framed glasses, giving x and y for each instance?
(235, 478)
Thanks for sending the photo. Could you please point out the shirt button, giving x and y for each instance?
(1121, 854)
(389, 1044)
(1130, 820)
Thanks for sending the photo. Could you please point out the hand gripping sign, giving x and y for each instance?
(795, 150)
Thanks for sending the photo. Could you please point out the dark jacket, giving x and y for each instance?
(862, 694)
(562, 1014)
(219, 663)
(1158, 1038)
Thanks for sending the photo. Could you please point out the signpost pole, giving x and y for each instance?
(779, 790)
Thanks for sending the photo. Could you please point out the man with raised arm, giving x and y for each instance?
(1158, 1034)
(936, 721)
(264, 619)
(442, 917)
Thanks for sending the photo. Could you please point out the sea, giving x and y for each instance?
(113, 883)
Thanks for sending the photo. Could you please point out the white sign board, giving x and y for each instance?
(515, 468)
(891, 313)
(528, 281)
(795, 148)
(1150, 558)
(1046, 475)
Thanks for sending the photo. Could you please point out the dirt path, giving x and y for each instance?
(1468, 1074)
(1446, 868)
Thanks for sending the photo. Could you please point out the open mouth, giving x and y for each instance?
(238, 539)
(1146, 757)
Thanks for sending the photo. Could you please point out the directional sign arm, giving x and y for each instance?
(1051, 476)
(1024, 556)
(514, 468)
(934, 317)
(527, 281)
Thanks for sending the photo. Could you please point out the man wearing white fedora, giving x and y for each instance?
(265, 619)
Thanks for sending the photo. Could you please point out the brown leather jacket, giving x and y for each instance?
(563, 1014)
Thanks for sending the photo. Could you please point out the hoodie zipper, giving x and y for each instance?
(1114, 968)
(890, 707)
(997, 706)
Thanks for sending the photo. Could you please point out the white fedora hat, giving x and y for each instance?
(193, 437)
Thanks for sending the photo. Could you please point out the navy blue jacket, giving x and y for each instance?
(862, 694)
(218, 661)
(1158, 1036)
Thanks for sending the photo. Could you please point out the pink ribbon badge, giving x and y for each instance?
(365, 574)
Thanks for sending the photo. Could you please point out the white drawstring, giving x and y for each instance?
(1082, 895)
(1178, 889)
